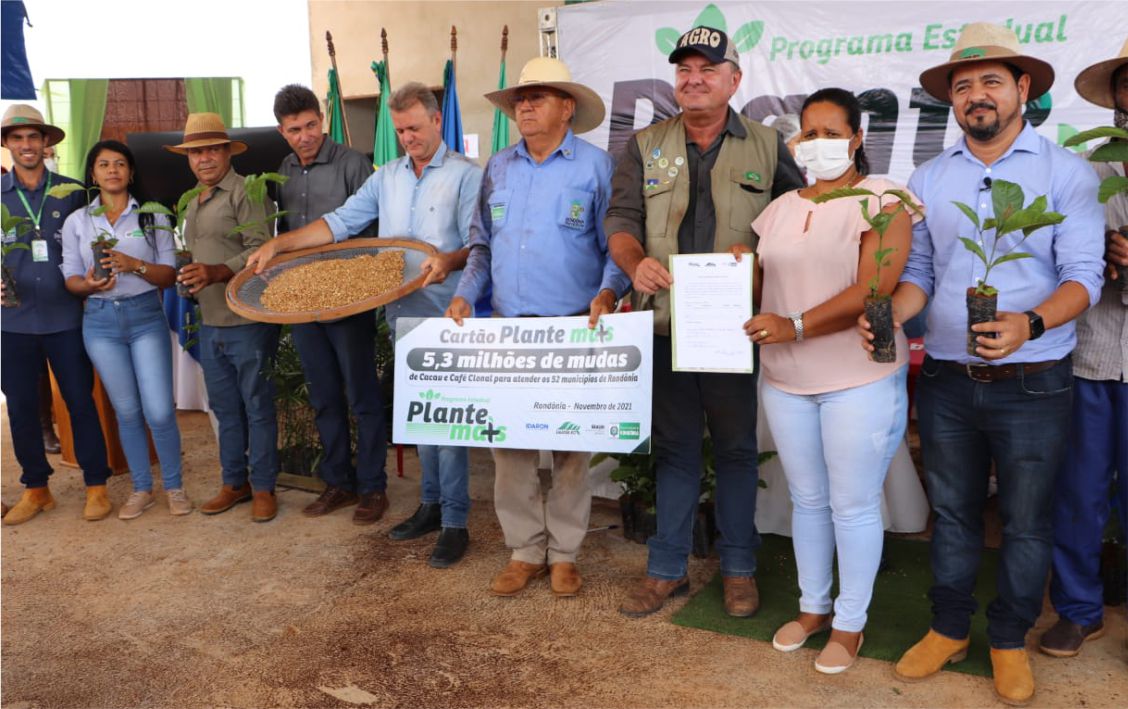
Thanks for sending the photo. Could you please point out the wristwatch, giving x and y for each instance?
(797, 321)
(1037, 327)
(142, 269)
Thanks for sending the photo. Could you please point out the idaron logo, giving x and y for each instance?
(568, 429)
(745, 38)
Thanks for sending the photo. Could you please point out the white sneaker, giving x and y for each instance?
(137, 503)
(178, 502)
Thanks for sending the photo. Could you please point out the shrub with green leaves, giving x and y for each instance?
(1116, 150)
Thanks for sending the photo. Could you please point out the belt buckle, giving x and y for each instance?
(973, 369)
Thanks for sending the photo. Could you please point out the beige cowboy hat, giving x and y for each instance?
(21, 115)
(983, 41)
(1094, 83)
(203, 129)
(553, 73)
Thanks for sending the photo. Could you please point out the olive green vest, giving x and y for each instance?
(741, 183)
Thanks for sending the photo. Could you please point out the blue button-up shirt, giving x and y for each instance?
(83, 226)
(538, 235)
(1071, 251)
(436, 208)
(46, 306)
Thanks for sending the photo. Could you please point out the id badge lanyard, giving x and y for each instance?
(38, 243)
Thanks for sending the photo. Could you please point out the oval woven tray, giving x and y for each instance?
(244, 291)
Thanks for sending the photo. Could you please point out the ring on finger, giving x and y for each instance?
(763, 334)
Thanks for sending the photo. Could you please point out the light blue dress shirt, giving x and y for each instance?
(436, 208)
(82, 226)
(1071, 251)
(538, 235)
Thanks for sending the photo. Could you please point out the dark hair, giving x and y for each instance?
(135, 189)
(292, 99)
(848, 102)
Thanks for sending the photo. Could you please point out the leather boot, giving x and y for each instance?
(565, 579)
(428, 518)
(370, 508)
(33, 501)
(97, 504)
(227, 498)
(742, 597)
(450, 548)
(1014, 680)
(650, 595)
(515, 577)
(929, 656)
(264, 507)
(46, 420)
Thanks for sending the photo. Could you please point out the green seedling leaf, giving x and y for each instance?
(100, 210)
(154, 208)
(185, 199)
(843, 192)
(984, 289)
(1111, 152)
(1112, 186)
(1047, 219)
(970, 214)
(881, 254)
(748, 36)
(906, 200)
(1006, 198)
(1093, 133)
(65, 190)
(974, 248)
(711, 16)
(8, 248)
(989, 224)
(1013, 256)
(667, 39)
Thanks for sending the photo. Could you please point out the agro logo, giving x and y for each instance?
(745, 38)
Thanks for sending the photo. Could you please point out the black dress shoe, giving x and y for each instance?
(1065, 638)
(428, 518)
(450, 548)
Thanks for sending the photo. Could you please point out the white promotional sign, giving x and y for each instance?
(533, 383)
(789, 50)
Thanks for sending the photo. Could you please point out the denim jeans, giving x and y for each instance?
(128, 341)
(835, 448)
(1097, 459)
(684, 402)
(339, 362)
(1022, 424)
(235, 361)
(446, 481)
(21, 361)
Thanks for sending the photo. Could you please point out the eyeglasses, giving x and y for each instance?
(535, 99)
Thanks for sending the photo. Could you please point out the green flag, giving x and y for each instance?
(336, 109)
(385, 148)
(501, 121)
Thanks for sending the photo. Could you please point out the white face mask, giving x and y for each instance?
(51, 164)
(825, 158)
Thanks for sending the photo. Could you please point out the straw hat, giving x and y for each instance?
(21, 115)
(980, 42)
(203, 129)
(1094, 83)
(553, 73)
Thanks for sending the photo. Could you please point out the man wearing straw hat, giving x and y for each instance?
(693, 184)
(428, 194)
(1010, 403)
(1097, 457)
(540, 215)
(46, 325)
(234, 352)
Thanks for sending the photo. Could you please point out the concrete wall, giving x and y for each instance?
(418, 47)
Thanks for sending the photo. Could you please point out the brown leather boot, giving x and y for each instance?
(33, 501)
(650, 595)
(1014, 680)
(264, 507)
(331, 499)
(515, 577)
(97, 504)
(371, 508)
(227, 498)
(742, 597)
(929, 656)
(565, 579)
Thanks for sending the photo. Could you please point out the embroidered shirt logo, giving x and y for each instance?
(575, 216)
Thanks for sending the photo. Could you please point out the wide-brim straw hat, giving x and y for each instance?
(21, 115)
(545, 71)
(987, 42)
(1094, 83)
(202, 130)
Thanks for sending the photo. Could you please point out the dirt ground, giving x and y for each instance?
(219, 612)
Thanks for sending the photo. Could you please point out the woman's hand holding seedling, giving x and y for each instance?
(97, 285)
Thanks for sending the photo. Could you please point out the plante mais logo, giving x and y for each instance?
(745, 38)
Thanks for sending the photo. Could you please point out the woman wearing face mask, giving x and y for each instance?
(123, 325)
(836, 416)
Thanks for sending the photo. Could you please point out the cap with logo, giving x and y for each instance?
(711, 43)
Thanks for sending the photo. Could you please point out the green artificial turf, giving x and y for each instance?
(898, 616)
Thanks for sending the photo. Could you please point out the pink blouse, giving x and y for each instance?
(805, 264)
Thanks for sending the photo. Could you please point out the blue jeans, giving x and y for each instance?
(683, 403)
(1022, 424)
(446, 481)
(835, 448)
(339, 362)
(1097, 460)
(241, 395)
(21, 361)
(128, 341)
